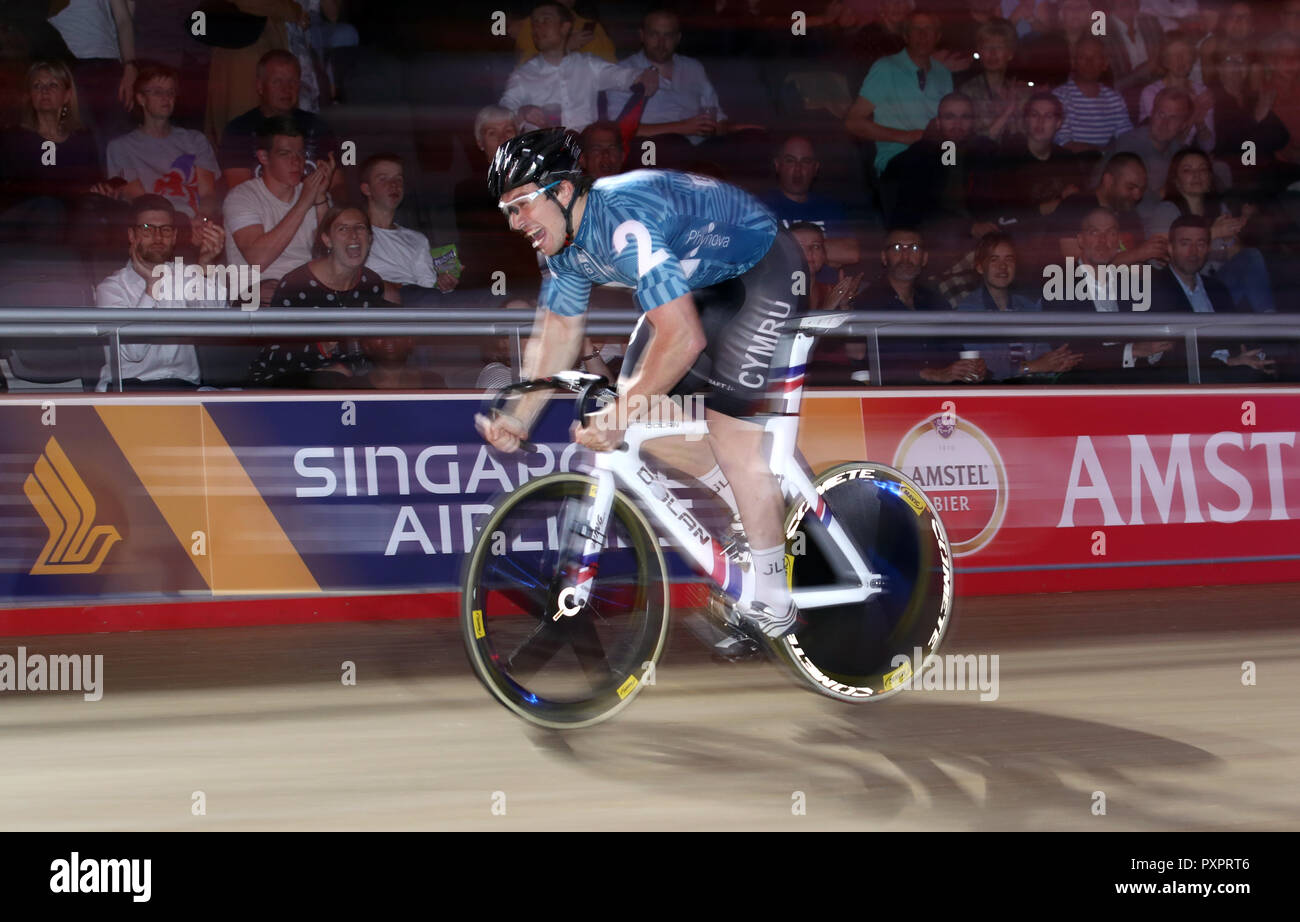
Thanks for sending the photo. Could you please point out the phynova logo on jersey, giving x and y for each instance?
(962, 473)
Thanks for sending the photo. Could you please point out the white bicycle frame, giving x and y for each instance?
(626, 469)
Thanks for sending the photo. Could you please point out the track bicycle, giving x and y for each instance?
(566, 592)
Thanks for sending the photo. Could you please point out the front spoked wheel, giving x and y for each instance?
(552, 666)
(855, 652)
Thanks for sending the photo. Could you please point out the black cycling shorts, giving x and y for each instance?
(742, 319)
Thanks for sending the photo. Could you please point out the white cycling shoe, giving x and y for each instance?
(765, 619)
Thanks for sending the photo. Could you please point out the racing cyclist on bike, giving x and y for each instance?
(713, 274)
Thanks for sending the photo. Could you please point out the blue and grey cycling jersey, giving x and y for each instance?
(660, 233)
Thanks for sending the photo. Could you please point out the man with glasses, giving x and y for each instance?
(713, 274)
(272, 219)
(904, 258)
(901, 93)
(151, 234)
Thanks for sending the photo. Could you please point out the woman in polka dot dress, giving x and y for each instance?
(337, 277)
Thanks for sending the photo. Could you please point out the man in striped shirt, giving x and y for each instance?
(1094, 113)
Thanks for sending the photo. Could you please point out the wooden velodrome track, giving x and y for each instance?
(1138, 695)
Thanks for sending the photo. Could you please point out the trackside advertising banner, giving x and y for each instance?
(114, 499)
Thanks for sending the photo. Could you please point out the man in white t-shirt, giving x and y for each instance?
(272, 219)
(159, 157)
(398, 254)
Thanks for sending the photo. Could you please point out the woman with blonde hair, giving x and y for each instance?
(48, 159)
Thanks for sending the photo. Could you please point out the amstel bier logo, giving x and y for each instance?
(68, 511)
(962, 473)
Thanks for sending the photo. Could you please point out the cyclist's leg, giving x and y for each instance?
(741, 361)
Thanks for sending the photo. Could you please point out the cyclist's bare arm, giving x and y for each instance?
(553, 347)
(677, 341)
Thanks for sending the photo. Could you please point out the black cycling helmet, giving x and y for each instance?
(541, 156)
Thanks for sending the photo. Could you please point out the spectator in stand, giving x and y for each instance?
(995, 261)
(484, 245)
(1094, 113)
(1098, 246)
(233, 73)
(1133, 40)
(836, 358)
(1236, 30)
(793, 201)
(901, 94)
(272, 219)
(336, 276)
(999, 99)
(588, 35)
(1191, 191)
(152, 238)
(398, 255)
(1176, 60)
(683, 116)
(823, 296)
(558, 87)
(1032, 173)
(1158, 140)
(960, 35)
(162, 35)
(1046, 55)
(35, 196)
(1122, 186)
(1183, 287)
(277, 85)
(904, 258)
(389, 366)
(602, 150)
(1241, 115)
(161, 158)
(101, 36)
(928, 185)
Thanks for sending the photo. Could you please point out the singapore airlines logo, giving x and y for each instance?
(68, 511)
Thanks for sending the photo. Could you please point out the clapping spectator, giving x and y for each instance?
(272, 220)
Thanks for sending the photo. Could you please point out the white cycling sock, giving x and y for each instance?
(716, 481)
(772, 588)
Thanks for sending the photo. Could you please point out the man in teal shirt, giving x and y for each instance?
(901, 93)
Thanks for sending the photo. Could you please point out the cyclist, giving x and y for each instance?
(713, 274)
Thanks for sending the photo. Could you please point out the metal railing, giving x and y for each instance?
(116, 326)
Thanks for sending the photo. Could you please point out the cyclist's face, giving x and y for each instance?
(540, 220)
